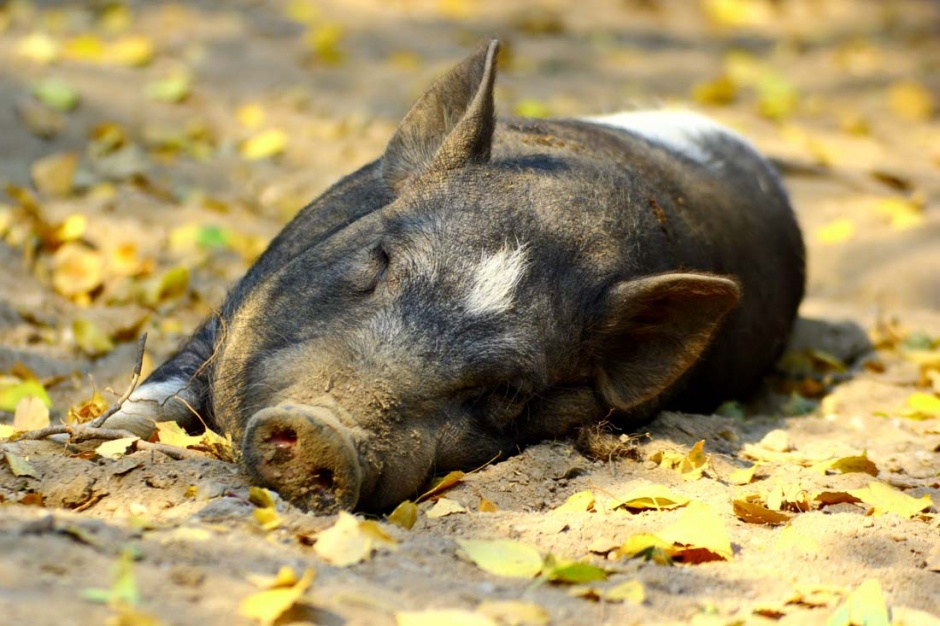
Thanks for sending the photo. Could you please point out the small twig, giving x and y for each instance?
(84, 433)
(175, 453)
(48, 431)
(101, 419)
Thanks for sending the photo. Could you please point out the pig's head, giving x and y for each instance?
(473, 312)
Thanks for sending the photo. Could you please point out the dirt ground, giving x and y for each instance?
(845, 94)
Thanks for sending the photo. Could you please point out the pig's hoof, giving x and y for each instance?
(305, 454)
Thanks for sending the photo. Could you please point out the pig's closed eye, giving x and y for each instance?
(373, 268)
(498, 404)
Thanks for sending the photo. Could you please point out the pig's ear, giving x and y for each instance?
(450, 126)
(654, 329)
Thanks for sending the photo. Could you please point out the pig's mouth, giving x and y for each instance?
(306, 455)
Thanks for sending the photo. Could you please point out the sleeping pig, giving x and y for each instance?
(486, 283)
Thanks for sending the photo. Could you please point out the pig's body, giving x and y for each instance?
(482, 286)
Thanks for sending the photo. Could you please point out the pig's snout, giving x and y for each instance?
(304, 453)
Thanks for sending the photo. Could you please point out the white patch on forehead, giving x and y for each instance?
(685, 132)
(495, 279)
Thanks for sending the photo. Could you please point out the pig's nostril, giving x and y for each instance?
(286, 438)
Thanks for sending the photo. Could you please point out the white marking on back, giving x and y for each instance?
(685, 132)
(495, 279)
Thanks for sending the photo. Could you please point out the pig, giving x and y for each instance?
(487, 283)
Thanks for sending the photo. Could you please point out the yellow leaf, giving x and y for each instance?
(405, 515)
(251, 115)
(757, 513)
(267, 518)
(502, 557)
(694, 463)
(57, 94)
(886, 499)
(53, 175)
(90, 338)
(530, 107)
(442, 485)
(6, 431)
(76, 270)
(285, 577)
(443, 507)
(172, 284)
(656, 497)
(647, 547)
(700, 526)
(571, 572)
(31, 414)
(719, 91)
(303, 11)
(115, 448)
(737, 13)
(865, 606)
(264, 145)
(743, 475)
(267, 606)
(848, 465)
(39, 48)
(172, 434)
(131, 50)
(20, 466)
(836, 231)
(324, 42)
(631, 591)
(911, 101)
(904, 213)
(84, 48)
(514, 613)
(351, 540)
(439, 617)
(173, 89)
(922, 406)
(13, 389)
(486, 506)
(579, 502)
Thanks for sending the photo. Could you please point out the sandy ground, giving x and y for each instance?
(844, 93)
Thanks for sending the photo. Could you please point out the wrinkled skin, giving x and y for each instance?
(484, 285)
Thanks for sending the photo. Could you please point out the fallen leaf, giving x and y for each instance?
(656, 497)
(351, 540)
(836, 231)
(90, 338)
(13, 389)
(579, 502)
(172, 434)
(694, 463)
(848, 465)
(53, 175)
(264, 145)
(486, 506)
(324, 42)
(39, 48)
(757, 513)
(886, 499)
(265, 512)
(911, 101)
(864, 607)
(171, 285)
(903, 213)
(31, 414)
(123, 583)
(442, 485)
(717, 92)
(530, 107)
(438, 617)
(130, 50)
(631, 591)
(250, 116)
(116, 448)
(647, 547)
(502, 557)
(743, 475)
(57, 94)
(922, 406)
(514, 613)
(816, 595)
(20, 466)
(571, 572)
(77, 270)
(443, 507)
(267, 606)
(6, 431)
(405, 515)
(699, 527)
(173, 89)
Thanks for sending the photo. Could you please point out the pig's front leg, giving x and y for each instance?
(176, 391)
